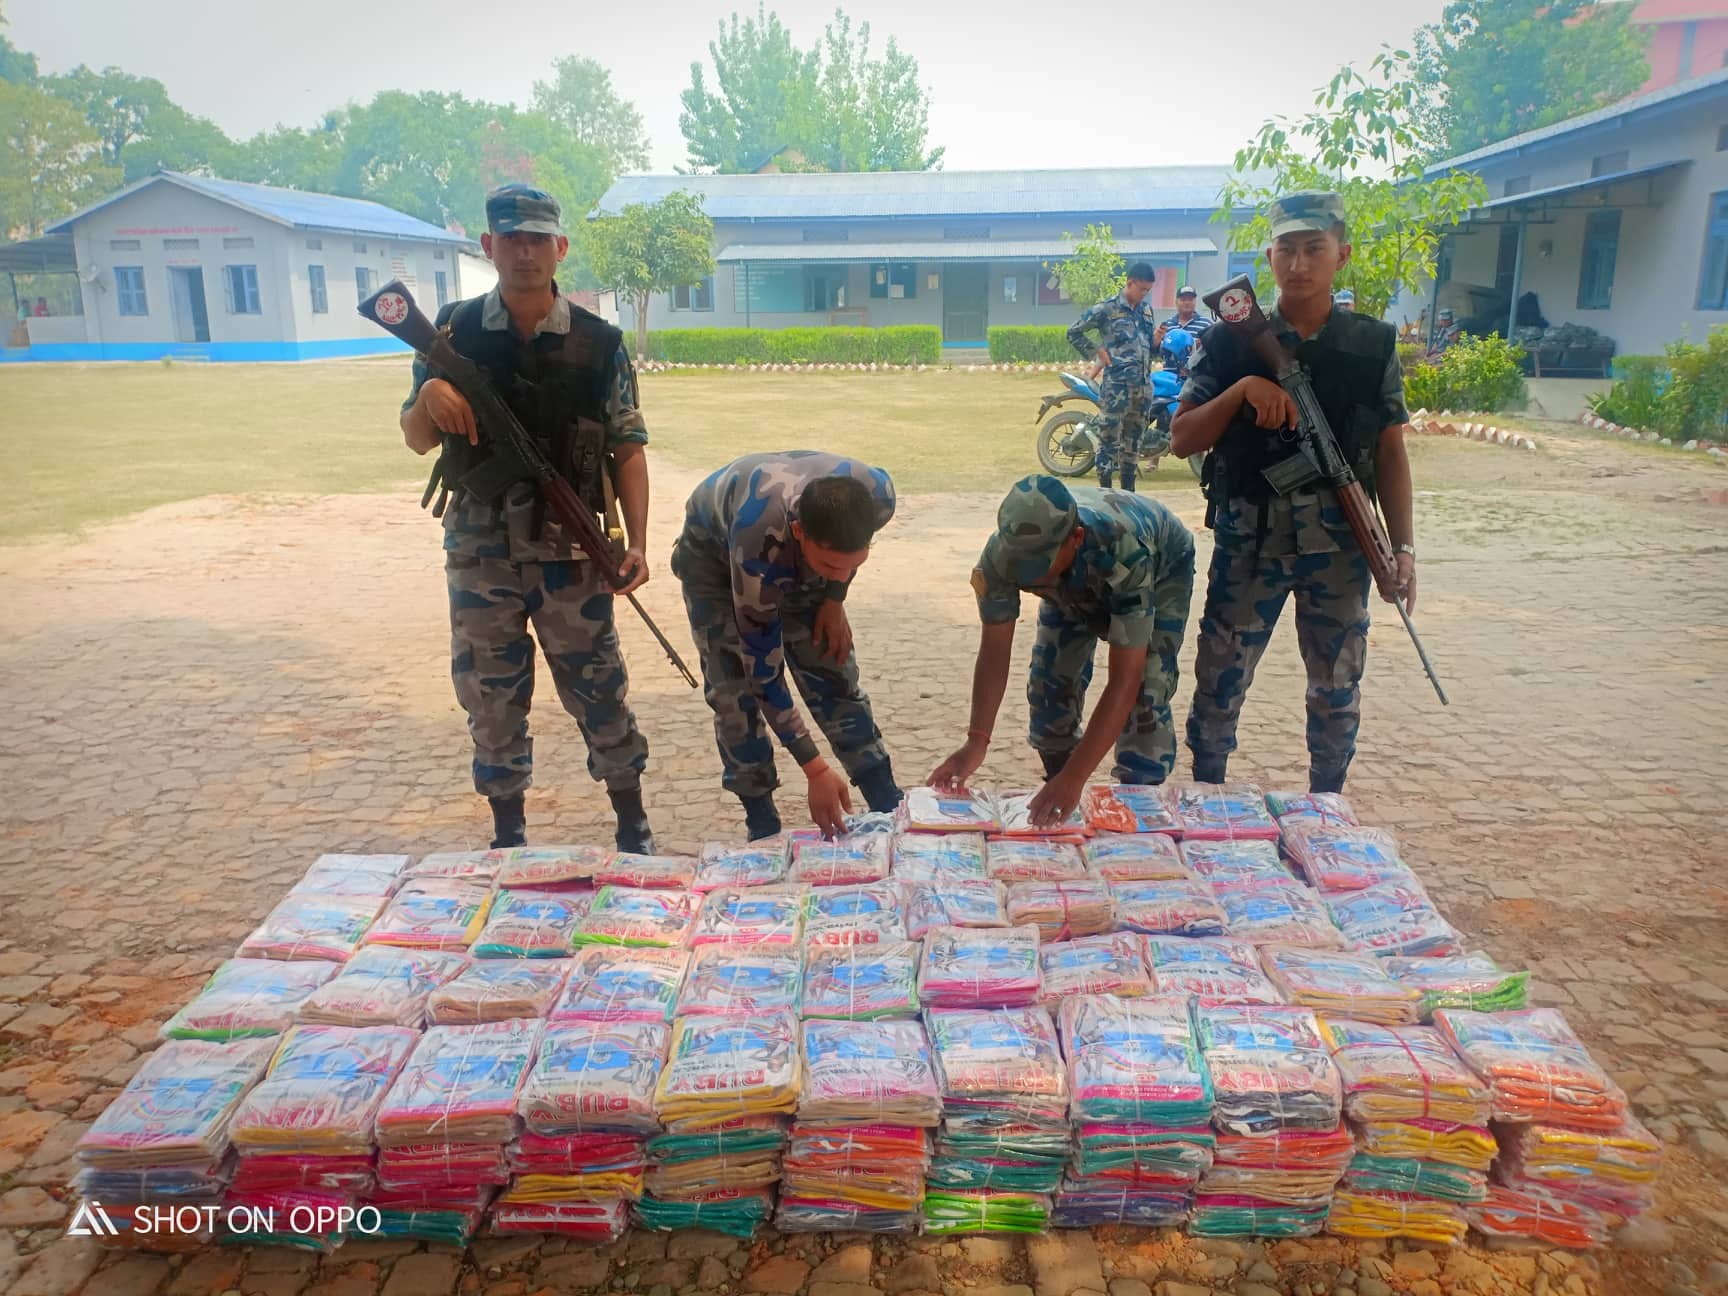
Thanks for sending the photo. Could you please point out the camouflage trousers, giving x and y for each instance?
(831, 693)
(1122, 426)
(1056, 687)
(1245, 594)
(492, 602)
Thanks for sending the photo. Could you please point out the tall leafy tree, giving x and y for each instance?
(1491, 69)
(1095, 271)
(648, 248)
(16, 65)
(758, 74)
(580, 98)
(140, 128)
(50, 161)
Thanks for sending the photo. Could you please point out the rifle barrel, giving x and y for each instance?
(1421, 652)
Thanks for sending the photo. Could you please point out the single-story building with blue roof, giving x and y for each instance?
(199, 268)
(959, 249)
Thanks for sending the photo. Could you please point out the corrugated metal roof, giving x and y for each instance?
(1673, 96)
(49, 254)
(949, 250)
(292, 207)
(861, 195)
(1539, 196)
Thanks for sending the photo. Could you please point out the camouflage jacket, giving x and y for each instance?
(1124, 332)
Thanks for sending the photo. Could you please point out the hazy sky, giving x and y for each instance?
(1012, 84)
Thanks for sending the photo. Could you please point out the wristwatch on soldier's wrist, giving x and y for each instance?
(1405, 549)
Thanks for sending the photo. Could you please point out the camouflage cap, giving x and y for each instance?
(517, 208)
(1035, 517)
(1312, 209)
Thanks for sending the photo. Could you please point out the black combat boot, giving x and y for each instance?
(761, 819)
(1104, 480)
(1054, 762)
(880, 790)
(1328, 778)
(633, 836)
(1209, 769)
(509, 822)
(1128, 479)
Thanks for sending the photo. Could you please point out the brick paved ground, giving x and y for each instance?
(197, 701)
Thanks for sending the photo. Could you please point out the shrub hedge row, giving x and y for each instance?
(902, 344)
(1031, 344)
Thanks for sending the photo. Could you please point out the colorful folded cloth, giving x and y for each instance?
(382, 986)
(590, 1221)
(939, 857)
(864, 914)
(323, 1090)
(625, 869)
(742, 981)
(1536, 1068)
(1278, 913)
(608, 984)
(1388, 1215)
(310, 925)
(1014, 860)
(176, 1110)
(1128, 808)
(726, 865)
(738, 1139)
(927, 810)
(723, 1068)
(1222, 812)
(737, 1214)
(246, 997)
(880, 1072)
(1342, 857)
(1353, 985)
(1110, 964)
(801, 1214)
(1142, 1154)
(276, 1171)
(1147, 857)
(1393, 918)
(876, 1170)
(1134, 1060)
(947, 1212)
(1208, 970)
(1245, 864)
(303, 1219)
(756, 915)
(589, 1076)
(1460, 981)
(544, 866)
(979, 968)
(1610, 1171)
(1177, 908)
(498, 990)
(1322, 1153)
(1469, 1147)
(439, 1169)
(1400, 1073)
(1310, 807)
(1062, 910)
(1086, 1204)
(961, 902)
(620, 915)
(1014, 814)
(461, 1085)
(999, 1066)
(1378, 1174)
(1270, 1069)
(861, 982)
(479, 865)
(531, 924)
(1536, 1214)
(452, 1220)
(1228, 1214)
(434, 912)
(354, 875)
(848, 861)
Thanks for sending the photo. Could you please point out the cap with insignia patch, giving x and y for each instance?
(1311, 209)
(517, 208)
(1035, 517)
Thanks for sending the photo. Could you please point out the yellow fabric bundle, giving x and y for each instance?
(1387, 1215)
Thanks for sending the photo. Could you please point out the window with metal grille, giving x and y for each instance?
(824, 288)
(1713, 273)
(314, 245)
(365, 280)
(242, 285)
(125, 245)
(1609, 163)
(359, 245)
(698, 296)
(1515, 185)
(320, 292)
(236, 242)
(1596, 266)
(180, 245)
(442, 285)
(129, 290)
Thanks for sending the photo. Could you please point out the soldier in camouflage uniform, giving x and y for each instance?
(1125, 329)
(1268, 547)
(769, 548)
(1107, 566)
(566, 376)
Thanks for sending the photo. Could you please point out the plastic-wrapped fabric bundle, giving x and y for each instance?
(927, 810)
(1609, 1171)
(1538, 1215)
(724, 864)
(1412, 1175)
(537, 867)
(879, 1072)
(873, 1169)
(1167, 908)
(1469, 1147)
(607, 984)
(620, 915)
(969, 902)
(453, 1219)
(758, 915)
(742, 981)
(1148, 857)
(1342, 857)
(1168, 1158)
(1276, 1184)
(971, 968)
(1393, 918)
(434, 913)
(549, 1155)
(1222, 812)
(1129, 808)
(1352, 985)
(354, 875)
(1244, 864)
(850, 861)
(731, 1141)
(1310, 807)
(260, 1171)
(1090, 1202)
(1537, 1069)
(477, 865)
(861, 982)
(461, 1085)
(722, 1068)
(1109, 964)
(308, 925)
(382, 986)
(1000, 1066)
(939, 857)
(498, 990)
(591, 1076)
(1388, 1215)
(531, 924)
(1013, 860)
(1013, 1158)
(1134, 1060)
(802, 1214)
(1243, 1215)
(627, 870)
(1400, 1073)
(1062, 910)
(1460, 981)
(1014, 814)
(737, 1214)
(323, 1090)
(590, 1221)
(175, 1111)
(248, 997)
(1278, 913)
(948, 1212)
(1270, 1069)
(438, 1169)
(1208, 970)
(283, 1210)
(866, 914)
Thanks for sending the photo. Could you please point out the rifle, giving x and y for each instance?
(1318, 458)
(511, 453)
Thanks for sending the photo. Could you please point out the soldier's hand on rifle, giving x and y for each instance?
(832, 632)
(1406, 575)
(830, 798)
(449, 409)
(1272, 406)
(634, 569)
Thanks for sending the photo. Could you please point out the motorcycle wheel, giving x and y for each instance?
(1054, 440)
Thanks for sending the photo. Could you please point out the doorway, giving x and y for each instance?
(965, 303)
(191, 321)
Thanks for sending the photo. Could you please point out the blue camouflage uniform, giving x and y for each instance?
(752, 599)
(1129, 586)
(1125, 335)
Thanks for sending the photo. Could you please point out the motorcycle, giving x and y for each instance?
(1068, 442)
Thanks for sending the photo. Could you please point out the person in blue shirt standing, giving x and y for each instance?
(1124, 353)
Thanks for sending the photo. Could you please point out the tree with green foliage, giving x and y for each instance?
(1491, 69)
(834, 107)
(648, 248)
(16, 65)
(140, 128)
(1095, 271)
(1362, 140)
(50, 161)
(580, 98)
